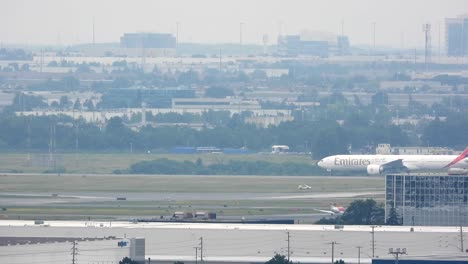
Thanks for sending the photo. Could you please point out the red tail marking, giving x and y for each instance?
(462, 156)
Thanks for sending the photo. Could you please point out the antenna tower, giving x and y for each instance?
(94, 39)
(427, 46)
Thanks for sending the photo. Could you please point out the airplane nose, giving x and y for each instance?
(319, 163)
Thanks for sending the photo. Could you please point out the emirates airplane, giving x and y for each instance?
(380, 164)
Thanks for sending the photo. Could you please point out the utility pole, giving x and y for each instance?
(94, 39)
(397, 252)
(289, 248)
(373, 37)
(333, 251)
(359, 254)
(427, 47)
(196, 254)
(177, 35)
(220, 60)
(201, 250)
(74, 252)
(240, 38)
(373, 241)
(461, 238)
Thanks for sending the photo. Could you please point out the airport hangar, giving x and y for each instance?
(229, 243)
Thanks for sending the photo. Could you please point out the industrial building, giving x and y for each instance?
(237, 243)
(292, 45)
(456, 36)
(153, 97)
(215, 104)
(428, 199)
(148, 44)
(18, 250)
(318, 45)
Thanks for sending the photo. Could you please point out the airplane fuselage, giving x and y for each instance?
(412, 162)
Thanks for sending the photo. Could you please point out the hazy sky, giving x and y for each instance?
(398, 22)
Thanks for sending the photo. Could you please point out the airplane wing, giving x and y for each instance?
(325, 211)
(394, 166)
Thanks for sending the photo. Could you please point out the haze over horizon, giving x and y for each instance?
(398, 22)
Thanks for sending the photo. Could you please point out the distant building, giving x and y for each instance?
(386, 149)
(148, 40)
(266, 121)
(215, 104)
(153, 97)
(456, 36)
(278, 149)
(293, 45)
(88, 249)
(342, 47)
(149, 44)
(313, 44)
(428, 199)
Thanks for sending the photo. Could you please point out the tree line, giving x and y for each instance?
(232, 167)
(319, 137)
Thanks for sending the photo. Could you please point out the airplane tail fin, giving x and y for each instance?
(457, 159)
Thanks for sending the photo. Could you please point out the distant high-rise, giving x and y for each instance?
(456, 36)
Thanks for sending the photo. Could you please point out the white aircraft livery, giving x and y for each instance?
(333, 210)
(379, 164)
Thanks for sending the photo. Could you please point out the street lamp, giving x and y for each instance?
(397, 252)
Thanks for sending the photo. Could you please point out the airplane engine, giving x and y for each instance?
(458, 171)
(374, 169)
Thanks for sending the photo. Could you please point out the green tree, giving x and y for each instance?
(393, 217)
(218, 92)
(364, 212)
(278, 259)
(52, 64)
(89, 104)
(69, 83)
(77, 104)
(127, 260)
(380, 98)
(83, 68)
(24, 102)
(64, 102)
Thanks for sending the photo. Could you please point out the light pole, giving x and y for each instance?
(333, 251)
(196, 254)
(241, 25)
(359, 254)
(397, 252)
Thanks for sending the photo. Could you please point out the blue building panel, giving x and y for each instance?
(418, 261)
(428, 199)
